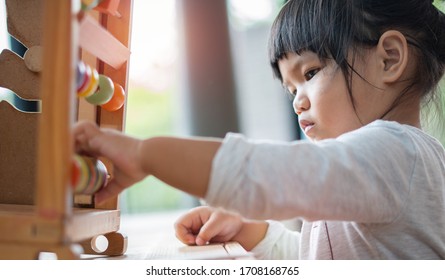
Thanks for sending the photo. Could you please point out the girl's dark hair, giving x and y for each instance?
(335, 28)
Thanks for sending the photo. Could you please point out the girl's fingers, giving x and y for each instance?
(188, 225)
(204, 224)
(83, 133)
(112, 189)
(216, 226)
(184, 234)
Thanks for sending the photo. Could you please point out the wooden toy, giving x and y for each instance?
(90, 82)
(117, 100)
(89, 4)
(88, 175)
(18, 130)
(109, 7)
(98, 89)
(103, 93)
(39, 209)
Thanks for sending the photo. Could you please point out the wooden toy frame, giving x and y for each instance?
(53, 222)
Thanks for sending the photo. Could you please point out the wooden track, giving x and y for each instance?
(37, 213)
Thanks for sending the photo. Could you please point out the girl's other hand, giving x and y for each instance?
(202, 225)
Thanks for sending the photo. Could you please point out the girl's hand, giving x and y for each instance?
(205, 224)
(202, 225)
(121, 150)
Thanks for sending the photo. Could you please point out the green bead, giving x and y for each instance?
(89, 4)
(104, 92)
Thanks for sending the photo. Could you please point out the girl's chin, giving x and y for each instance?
(311, 138)
(316, 137)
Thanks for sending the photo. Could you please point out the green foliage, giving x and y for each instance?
(149, 114)
(440, 4)
(151, 195)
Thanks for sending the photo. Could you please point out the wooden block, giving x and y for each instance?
(91, 222)
(117, 245)
(99, 42)
(21, 223)
(83, 200)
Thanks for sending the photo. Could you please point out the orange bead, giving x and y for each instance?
(75, 174)
(78, 171)
(117, 101)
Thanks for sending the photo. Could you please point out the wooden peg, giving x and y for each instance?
(33, 58)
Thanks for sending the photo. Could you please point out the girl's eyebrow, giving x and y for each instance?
(296, 64)
(301, 59)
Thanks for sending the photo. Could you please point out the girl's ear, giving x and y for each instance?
(392, 51)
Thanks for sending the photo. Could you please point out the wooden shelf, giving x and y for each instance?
(28, 226)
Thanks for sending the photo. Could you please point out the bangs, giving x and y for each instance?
(308, 25)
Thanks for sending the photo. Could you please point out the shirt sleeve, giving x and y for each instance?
(279, 243)
(362, 176)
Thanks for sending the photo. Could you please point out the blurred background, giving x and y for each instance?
(201, 68)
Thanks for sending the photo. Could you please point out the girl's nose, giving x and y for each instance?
(301, 103)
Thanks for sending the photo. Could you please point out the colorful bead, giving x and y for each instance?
(92, 86)
(117, 101)
(87, 73)
(88, 176)
(98, 89)
(89, 4)
(104, 92)
(80, 75)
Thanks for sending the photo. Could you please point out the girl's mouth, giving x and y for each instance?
(306, 125)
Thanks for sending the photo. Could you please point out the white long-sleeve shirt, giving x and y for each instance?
(374, 193)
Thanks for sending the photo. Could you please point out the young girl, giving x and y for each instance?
(370, 184)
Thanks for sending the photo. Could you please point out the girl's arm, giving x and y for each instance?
(181, 163)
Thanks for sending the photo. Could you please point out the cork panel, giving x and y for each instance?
(24, 19)
(17, 155)
(15, 76)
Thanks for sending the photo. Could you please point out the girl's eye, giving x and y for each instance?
(310, 74)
